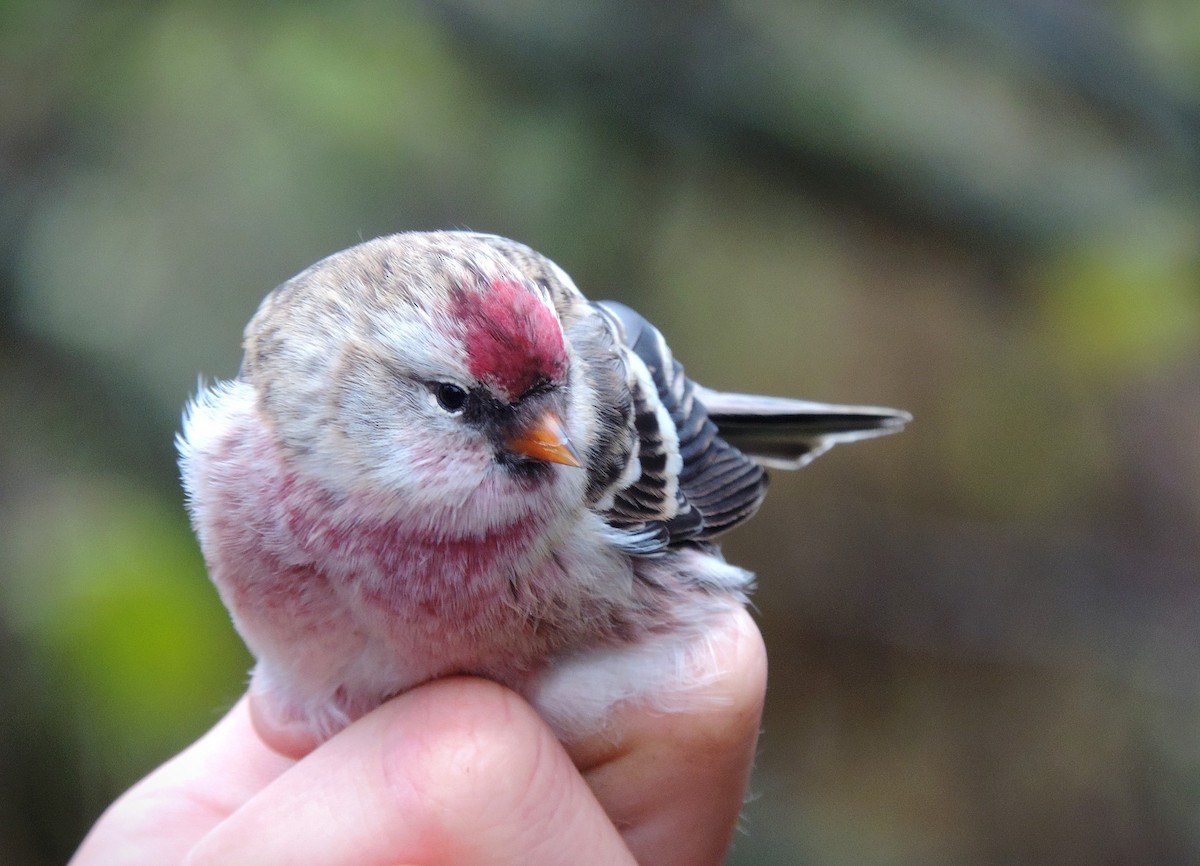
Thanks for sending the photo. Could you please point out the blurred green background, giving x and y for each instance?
(983, 632)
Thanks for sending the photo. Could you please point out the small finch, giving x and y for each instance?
(440, 458)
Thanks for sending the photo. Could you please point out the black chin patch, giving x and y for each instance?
(524, 470)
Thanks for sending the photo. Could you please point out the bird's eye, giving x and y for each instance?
(450, 397)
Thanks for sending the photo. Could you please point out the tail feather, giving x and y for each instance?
(781, 433)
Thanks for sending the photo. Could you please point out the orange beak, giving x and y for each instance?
(546, 439)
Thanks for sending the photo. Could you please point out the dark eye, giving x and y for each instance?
(450, 397)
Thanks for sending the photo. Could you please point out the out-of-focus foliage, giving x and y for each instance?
(983, 632)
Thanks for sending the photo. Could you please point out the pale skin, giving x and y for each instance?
(458, 771)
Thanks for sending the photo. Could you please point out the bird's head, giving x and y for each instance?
(421, 369)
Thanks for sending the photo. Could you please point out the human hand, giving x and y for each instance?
(458, 771)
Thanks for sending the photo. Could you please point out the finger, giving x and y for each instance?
(159, 819)
(675, 782)
(460, 771)
(289, 737)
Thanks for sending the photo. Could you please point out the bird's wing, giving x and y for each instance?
(692, 484)
(702, 452)
(782, 433)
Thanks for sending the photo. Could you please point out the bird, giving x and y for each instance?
(438, 457)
